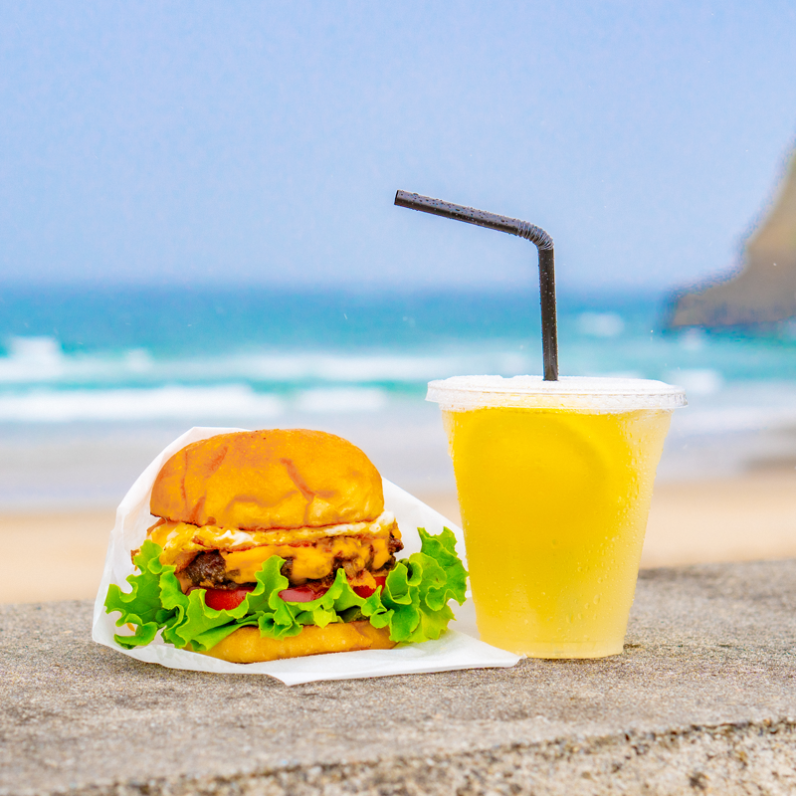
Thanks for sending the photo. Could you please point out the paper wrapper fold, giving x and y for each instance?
(453, 650)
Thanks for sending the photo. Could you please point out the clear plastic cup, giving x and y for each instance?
(554, 480)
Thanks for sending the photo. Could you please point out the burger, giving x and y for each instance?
(276, 544)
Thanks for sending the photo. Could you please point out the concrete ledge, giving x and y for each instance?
(702, 701)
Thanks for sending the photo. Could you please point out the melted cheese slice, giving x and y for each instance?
(313, 550)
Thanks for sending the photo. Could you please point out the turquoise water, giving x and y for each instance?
(94, 383)
(260, 345)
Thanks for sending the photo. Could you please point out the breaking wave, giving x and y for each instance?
(230, 402)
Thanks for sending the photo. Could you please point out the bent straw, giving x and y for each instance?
(544, 243)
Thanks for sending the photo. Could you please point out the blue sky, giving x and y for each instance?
(263, 142)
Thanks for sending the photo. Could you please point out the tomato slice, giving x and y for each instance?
(366, 591)
(303, 594)
(226, 599)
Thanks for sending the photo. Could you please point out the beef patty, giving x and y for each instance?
(209, 569)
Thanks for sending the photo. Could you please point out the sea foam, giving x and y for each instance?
(232, 401)
(41, 360)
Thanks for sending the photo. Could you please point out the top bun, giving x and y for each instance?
(269, 479)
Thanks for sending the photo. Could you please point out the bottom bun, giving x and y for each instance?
(246, 645)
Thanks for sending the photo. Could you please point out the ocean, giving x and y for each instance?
(93, 382)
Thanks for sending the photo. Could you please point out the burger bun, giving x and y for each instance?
(258, 480)
(246, 645)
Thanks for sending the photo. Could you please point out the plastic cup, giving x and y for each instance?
(554, 480)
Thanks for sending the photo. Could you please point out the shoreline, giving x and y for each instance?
(57, 554)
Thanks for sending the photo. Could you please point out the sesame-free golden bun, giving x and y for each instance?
(246, 645)
(281, 478)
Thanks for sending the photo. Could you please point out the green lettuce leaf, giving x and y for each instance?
(143, 606)
(413, 603)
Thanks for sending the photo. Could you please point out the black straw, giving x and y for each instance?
(544, 243)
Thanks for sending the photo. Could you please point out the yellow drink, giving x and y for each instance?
(554, 505)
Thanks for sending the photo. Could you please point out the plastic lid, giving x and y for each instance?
(589, 394)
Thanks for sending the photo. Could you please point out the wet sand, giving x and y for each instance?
(58, 555)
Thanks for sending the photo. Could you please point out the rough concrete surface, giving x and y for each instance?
(702, 701)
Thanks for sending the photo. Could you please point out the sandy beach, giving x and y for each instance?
(58, 555)
(725, 489)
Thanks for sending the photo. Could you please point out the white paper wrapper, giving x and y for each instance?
(453, 650)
